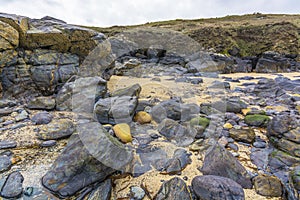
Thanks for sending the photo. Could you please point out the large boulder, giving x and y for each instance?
(115, 109)
(211, 187)
(220, 162)
(74, 165)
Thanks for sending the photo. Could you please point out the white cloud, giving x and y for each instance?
(124, 12)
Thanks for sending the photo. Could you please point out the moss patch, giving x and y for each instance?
(201, 121)
(257, 120)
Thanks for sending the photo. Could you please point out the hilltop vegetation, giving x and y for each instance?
(251, 34)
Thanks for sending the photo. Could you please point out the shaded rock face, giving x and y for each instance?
(283, 132)
(173, 189)
(218, 161)
(38, 56)
(73, 166)
(216, 187)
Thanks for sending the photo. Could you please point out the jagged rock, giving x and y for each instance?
(81, 94)
(115, 109)
(243, 135)
(173, 131)
(57, 129)
(268, 88)
(267, 186)
(218, 161)
(42, 103)
(178, 162)
(102, 191)
(12, 187)
(9, 37)
(74, 165)
(174, 110)
(210, 187)
(173, 189)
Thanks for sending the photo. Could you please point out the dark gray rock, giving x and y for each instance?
(42, 103)
(5, 163)
(48, 143)
(268, 88)
(57, 129)
(74, 165)
(5, 144)
(174, 110)
(260, 157)
(220, 162)
(81, 95)
(211, 187)
(115, 109)
(12, 187)
(173, 131)
(102, 191)
(173, 189)
(5, 111)
(7, 103)
(42, 118)
(178, 162)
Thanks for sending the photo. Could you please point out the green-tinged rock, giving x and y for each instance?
(289, 146)
(257, 120)
(202, 121)
(243, 135)
(173, 189)
(57, 129)
(295, 176)
(269, 186)
(43, 103)
(131, 91)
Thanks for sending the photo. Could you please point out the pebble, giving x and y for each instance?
(143, 117)
(137, 193)
(5, 163)
(48, 143)
(42, 118)
(260, 144)
(122, 131)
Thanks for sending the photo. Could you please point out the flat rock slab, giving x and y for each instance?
(211, 187)
(5, 144)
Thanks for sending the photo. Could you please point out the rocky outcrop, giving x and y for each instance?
(38, 56)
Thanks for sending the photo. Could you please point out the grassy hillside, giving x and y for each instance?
(252, 34)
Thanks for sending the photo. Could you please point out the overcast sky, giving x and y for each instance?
(126, 12)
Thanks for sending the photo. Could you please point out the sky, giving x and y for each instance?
(105, 13)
